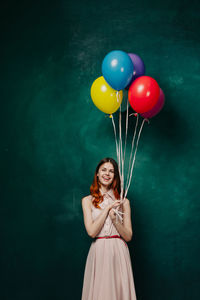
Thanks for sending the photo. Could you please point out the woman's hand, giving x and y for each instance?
(112, 214)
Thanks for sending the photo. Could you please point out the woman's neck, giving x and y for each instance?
(104, 189)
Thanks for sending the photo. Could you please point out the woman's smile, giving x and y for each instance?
(106, 178)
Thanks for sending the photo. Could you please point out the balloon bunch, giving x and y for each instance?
(120, 71)
(126, 71)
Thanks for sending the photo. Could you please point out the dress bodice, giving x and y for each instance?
(108, 227)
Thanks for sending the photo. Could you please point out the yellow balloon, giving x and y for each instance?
(105, 97)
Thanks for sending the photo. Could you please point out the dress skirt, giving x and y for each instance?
(108, 272)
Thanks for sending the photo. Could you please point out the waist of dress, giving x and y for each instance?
(111, 237)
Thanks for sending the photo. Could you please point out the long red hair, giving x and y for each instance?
(115, 185)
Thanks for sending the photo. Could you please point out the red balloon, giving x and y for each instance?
(157, 108)
(143, 94)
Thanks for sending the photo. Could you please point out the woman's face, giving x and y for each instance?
(106, 174)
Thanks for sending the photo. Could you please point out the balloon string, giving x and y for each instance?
(121, 156)
(121, 162)
(132, 146)
(126, 129)
(125, 141)
(124, 154)
(114, 128)
(119, 146)
(131, 173)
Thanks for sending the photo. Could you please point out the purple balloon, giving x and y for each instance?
(139, 67)
(157, 108)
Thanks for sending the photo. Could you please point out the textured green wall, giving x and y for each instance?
(53, 136)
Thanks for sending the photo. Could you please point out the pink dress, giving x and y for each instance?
(108, 272)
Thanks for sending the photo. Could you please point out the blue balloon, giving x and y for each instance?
(117, 69)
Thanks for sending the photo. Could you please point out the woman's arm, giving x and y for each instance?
(94, 227)
(125, 229)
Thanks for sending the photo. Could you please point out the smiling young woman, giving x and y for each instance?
(108, 272)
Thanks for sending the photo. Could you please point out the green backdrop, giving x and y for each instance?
(52, 137)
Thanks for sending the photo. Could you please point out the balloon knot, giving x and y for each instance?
(110, 116)
(134, 114)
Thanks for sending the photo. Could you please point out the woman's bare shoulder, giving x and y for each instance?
(126, 205)
(87, 200)
(126, 202)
